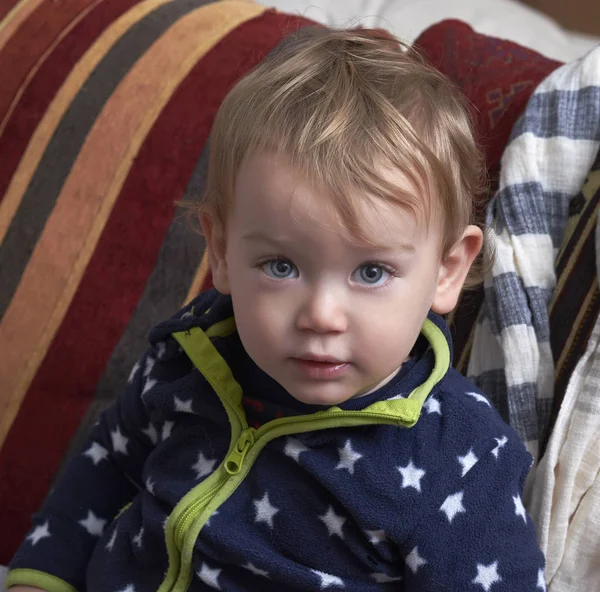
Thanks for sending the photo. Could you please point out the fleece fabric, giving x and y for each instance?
(148, 505)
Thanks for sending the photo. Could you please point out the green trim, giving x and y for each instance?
(37, 579)
(410, 408)
(195, 508)
(122, 510)
(197, 345)
(222, 328)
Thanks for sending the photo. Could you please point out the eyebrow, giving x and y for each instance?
(396, 247)
(400, 246)
(257, 235)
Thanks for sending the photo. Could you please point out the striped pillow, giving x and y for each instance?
(497, 77)
(105, 111)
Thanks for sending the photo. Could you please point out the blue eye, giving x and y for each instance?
(280, 269)
(372, 274)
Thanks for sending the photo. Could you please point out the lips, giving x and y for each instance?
(320, 367)
(317, 358)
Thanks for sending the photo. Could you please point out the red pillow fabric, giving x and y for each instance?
(498, 77)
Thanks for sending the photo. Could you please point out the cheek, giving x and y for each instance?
(261, 319)
(390, 331)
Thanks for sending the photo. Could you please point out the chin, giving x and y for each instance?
(314, 397)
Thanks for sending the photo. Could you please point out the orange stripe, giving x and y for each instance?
(15, 17)
(42, 59)
(85, 203)
(199, 278)
(56, 110)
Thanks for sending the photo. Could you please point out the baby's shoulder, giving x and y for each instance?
(463, 422)
(165, 361)
(468, 404)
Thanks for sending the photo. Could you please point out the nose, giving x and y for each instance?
(322, 312)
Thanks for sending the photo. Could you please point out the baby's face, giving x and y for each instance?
(327, 318)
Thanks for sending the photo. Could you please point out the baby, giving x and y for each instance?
(300, 427)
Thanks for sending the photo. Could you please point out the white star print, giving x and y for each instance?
(256, 571)
(487, 575)
(129, 588)
(541, 583)
(183, 406)
(211, 517)
(479, 398)
(39, 533)
(210, 576)
(149, 365)
(348, 457)
(411, 476)
(453, 505)
(113, 538)
(382, 578)
(119, 441)
(467, 461)
(414, 560)
(137, 539)
(150, 485)
(203, 466)
(333, 522)
(96, 452)
(133, 372)
(432, 405)
(294, 448)
(376, 536)
(93, 524)
(328, 580)
(166, 429)
(161, 348)
(265, 512)
(149, 384)
(519, 507)
(501, 444)
(150, 431)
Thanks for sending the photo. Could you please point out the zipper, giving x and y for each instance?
(249, 437)
(234, 461)
(193, 510)
(234, 467)
(327, 415)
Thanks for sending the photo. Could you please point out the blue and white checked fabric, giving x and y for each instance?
(550, 152)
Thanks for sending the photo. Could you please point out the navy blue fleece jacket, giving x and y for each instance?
(206, 475)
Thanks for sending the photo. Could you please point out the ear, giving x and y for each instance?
(216, 249)
(454, 270)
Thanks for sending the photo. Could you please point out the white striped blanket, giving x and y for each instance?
(551, 150)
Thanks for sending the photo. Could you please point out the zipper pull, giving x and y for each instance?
(233, 463)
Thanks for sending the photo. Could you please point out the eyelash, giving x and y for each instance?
(387, 268)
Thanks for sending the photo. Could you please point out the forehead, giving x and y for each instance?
(271, 195)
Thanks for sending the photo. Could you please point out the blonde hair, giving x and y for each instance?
(341, 105)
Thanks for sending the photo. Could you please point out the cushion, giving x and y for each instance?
(498, 77)
(105, 111)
